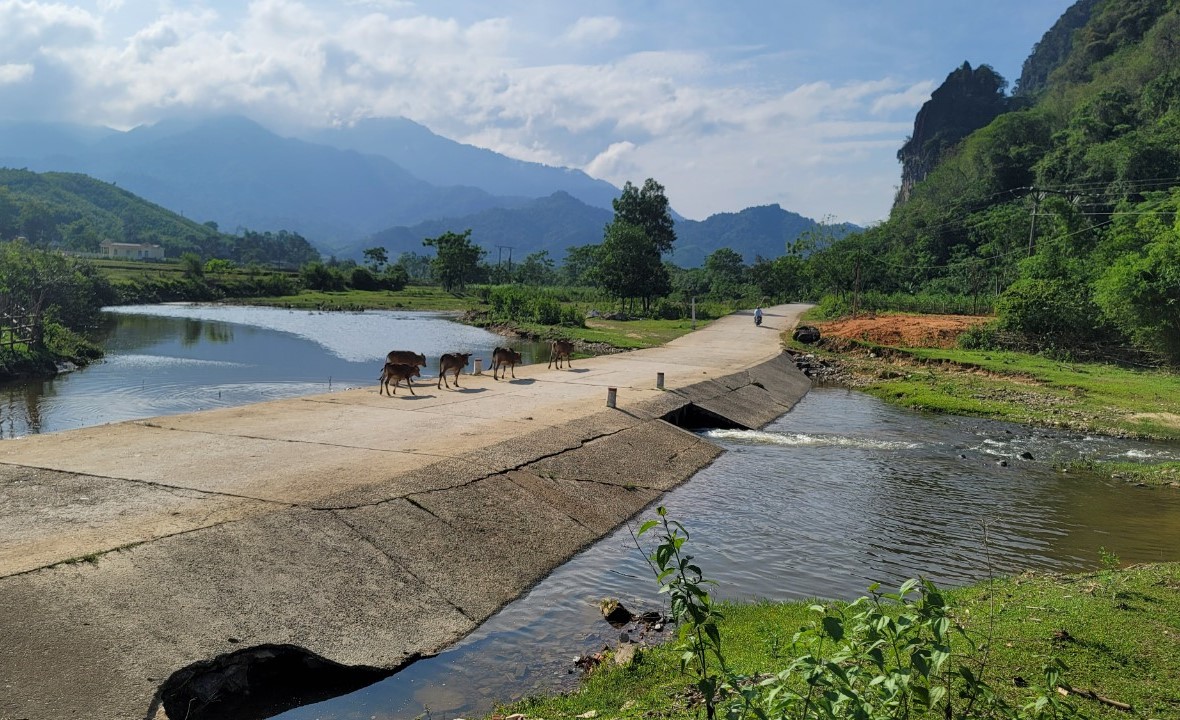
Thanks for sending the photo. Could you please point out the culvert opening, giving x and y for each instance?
(694, 417)
(260, 682)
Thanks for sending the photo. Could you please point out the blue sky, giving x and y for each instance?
(728, 105)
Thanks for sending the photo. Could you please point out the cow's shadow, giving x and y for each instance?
(576, 370)
(521, 381)
(413, 397)
(466, 390)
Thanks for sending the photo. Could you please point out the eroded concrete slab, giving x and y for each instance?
(361, 527)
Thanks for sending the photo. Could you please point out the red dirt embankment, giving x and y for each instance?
(930, 331)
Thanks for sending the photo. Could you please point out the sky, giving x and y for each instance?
(726, 104)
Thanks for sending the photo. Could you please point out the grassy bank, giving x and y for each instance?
(1117, 632)
(410, 298)
(1018, 387)
(1025, 388)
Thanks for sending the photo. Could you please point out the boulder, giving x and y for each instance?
(807, 334)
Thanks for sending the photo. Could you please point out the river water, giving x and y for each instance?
(177, 358)
(839, 493)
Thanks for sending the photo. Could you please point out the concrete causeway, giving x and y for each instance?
(146, 565)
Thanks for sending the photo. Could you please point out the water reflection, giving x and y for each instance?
(167, 359)
(841, 492)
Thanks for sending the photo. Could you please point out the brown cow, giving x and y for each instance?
(502, 356)
(449, 362)
(406, 357)
(558, 350)
(397, 372)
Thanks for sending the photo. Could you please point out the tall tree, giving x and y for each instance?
(630, 266)
(580, 264)
(376, 257)
(536, 269)
(417, 266)
(647, 207)
(457, 259)
(726, 273)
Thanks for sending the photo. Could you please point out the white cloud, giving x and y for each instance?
(714, 124)
(593, 30)
(30, 27)
(909, 99)
(613, 162)
(15, 72)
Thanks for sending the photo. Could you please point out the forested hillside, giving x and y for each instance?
(1064, 207)
(76, 212)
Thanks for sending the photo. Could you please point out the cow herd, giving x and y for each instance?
(404, 364)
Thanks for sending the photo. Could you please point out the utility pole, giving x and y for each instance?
(500, 257)
(856, 288)
(1037, 196)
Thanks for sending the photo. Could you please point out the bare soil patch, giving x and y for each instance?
(1163, 418)
(929, 331)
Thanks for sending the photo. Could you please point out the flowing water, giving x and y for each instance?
(841, 492)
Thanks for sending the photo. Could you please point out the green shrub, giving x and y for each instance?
(1053, 311)
(572, 316)
(546, 311)
(362, 278)
(665, 309)
(980, 337)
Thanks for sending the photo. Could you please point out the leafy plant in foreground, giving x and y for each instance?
(691, 607)
(886, 656)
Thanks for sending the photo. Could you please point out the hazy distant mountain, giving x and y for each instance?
(560, 221)
(235, 172)
(381, 181)
(552, 223)
(441, 161)
(765, 230)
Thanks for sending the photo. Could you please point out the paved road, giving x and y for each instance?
(363, 527)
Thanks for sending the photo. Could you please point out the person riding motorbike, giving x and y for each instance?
(758, 316)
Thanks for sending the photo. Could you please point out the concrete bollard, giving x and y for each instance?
(659, 381)
(611, 394)
(478, 367)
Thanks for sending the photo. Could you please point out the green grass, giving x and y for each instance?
(411, 298)
(1118, 631)
(1165, 473)
(130, 270)
(626, 334)
(1022, 388)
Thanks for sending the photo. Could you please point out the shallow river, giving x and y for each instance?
(176, 358)
(840, 492)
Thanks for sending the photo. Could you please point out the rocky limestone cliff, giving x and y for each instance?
(967, 100)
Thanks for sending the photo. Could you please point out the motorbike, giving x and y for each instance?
(758, 320)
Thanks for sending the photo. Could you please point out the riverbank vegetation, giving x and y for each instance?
(1097, 644)
(889, 356)
(1019, 387)
(47, 302)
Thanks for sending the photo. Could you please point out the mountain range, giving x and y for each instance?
(384, 181)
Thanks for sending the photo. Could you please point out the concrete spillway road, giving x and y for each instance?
(363, 527)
